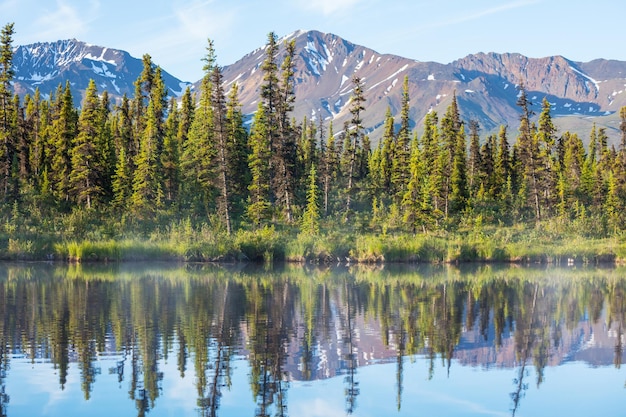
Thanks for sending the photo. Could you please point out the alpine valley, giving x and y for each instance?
(581, 93)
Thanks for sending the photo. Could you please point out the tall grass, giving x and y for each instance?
(340, 242)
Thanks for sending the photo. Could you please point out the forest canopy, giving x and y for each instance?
(151, 163)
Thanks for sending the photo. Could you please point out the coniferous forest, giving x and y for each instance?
(156, 177)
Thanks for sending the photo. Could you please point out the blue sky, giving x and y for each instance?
(174, 32)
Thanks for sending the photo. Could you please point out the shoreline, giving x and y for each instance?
(327, 250)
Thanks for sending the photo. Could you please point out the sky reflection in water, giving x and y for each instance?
(414, 342)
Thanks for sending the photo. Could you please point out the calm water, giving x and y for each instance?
(167, 340)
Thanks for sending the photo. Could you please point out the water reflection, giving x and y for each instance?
(300, 324)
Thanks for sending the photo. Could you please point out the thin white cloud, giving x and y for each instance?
(7, 6)
(62, 22)
(483, 13)
(200, 20)
(184, 34)
(327, 7)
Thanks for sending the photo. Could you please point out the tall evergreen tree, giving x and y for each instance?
(65, 129)
(571, 174)
(87, 175)
(147, 195)
(546, 141)
(449, 138)
(237, 137)
(34, 116)
(311, 217)
(354, 135)
(199, 150)
(7, 110)
(385, 158)
(528, 147)
(458, 178)
(502, 165)
(285, 143)
(474, 161)
(401, 166)
(125, 154)
(329, 168)
(122, 181)
(170, 157)
(22, 169)
(258, 161)
(223, 152)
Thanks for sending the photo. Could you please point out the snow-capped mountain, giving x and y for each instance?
(46, 65)
(485, 84)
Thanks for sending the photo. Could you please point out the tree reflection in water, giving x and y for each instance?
(295, 323)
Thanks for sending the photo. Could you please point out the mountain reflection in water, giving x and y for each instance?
(292, 324)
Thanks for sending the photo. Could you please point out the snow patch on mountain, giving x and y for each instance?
(316, 60)
(100, 58)
(395, 74)
(329, 54)
(117, 89)
(596, 83)
(393, 84)
(37, 78)
(102, 70)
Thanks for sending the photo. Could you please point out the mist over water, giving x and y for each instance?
(137, 339)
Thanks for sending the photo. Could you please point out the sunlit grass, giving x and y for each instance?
(336, 242)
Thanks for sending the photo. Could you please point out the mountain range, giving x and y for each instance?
(485, 84)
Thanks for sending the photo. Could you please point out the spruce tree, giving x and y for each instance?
(199, 151)
(474, 161)
(6, 76)
(502, 164)
(400, 171)
(34, 120)
(237, 141)
(105, 146)
(258, 162)
(548, 164)
(64, 131)
(122, 181)
(170, 156)
(458, 177)
(329, 168)
(354, 135)
(147, 195)
(449, 137)
(22, 170)
(223, 151)
(387, 158)
(87, 172)
(125, 154)
(311, 217)
(529, 156)
(285, 145)
(7, 111)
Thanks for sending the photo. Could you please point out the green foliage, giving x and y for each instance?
(311, 217)
(189, 183)
(264, 244)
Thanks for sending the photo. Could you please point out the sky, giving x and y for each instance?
(175, 32)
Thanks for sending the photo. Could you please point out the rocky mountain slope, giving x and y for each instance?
(48, 64)
(485, 84)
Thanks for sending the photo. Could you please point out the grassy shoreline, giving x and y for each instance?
(503, 245)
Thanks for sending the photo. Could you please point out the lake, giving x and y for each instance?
(253, 340)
